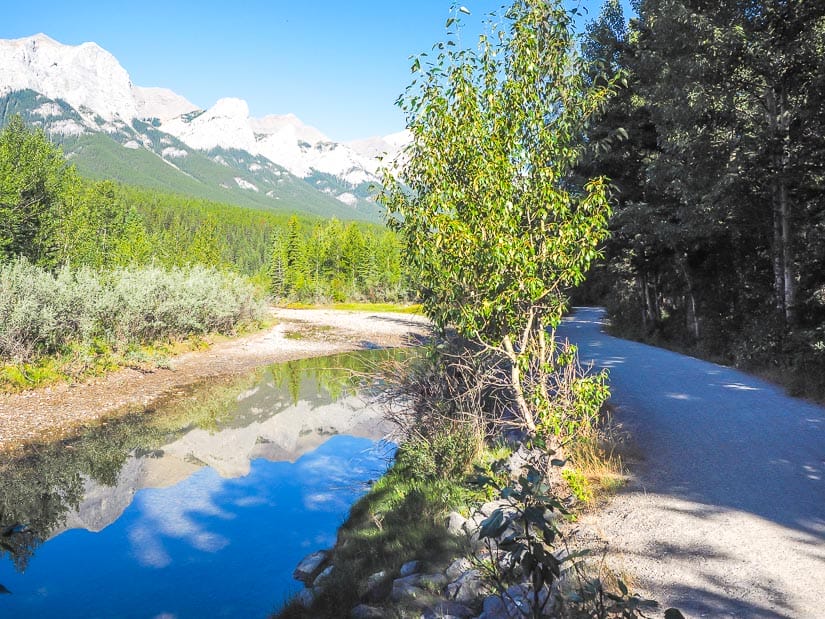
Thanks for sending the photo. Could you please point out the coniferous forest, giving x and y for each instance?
(714, 145)
(84, 262)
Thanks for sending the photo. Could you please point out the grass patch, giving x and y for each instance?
(398, 308)
(598, 469)
(308, 332)
(401, 518)
(80, 361)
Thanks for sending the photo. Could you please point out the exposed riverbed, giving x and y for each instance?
(64, 410)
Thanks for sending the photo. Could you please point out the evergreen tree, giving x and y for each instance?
(33, 178)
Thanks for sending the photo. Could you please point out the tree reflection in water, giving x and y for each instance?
(41, 487)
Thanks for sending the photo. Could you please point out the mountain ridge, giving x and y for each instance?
(74, 91)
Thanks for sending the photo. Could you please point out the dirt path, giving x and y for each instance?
(725, 514)
(54, 412)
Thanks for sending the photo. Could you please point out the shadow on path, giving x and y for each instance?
(728, 459)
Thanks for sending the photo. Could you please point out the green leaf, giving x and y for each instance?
(493, 525)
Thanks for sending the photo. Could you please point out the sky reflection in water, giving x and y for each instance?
(206, 546)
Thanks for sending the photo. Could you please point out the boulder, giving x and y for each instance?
(455, 523)
(447, 609)
(363, 611)
(310, 566)
(519, 598)
(378, 587)
(467, 588)
(319, 580)
(410, 567)
(493, 608)
(457, 568)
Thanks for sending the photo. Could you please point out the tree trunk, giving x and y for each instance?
(784, 275)
(691, 317)
(518, 390)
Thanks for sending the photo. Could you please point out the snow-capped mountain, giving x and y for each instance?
(76, 91)
(85, 76)
(161, 103)
(381, 150)
(303, 150)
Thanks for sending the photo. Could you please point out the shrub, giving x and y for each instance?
(43, 312)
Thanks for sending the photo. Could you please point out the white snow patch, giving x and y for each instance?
(67, 127)
(47, 109)
(244, 184)
(348, 199)
(255, 167)
(389, 148)
(171, 151)
(224, 125)
(132, 144)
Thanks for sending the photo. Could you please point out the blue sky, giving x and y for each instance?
(339, 66)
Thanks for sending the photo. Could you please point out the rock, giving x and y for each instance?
(447, 609)
(417, 589)
(378, 587)
(410, 567)
(519, 599)
(319, 580)
(518, 460)
(305, 597)
(363, 611)
(413, 580)
(407, 592)
(491, 506)
(467, 588)
(310, 566)
(457, 568)
(455, 523)
(493, 607)
(433, 582)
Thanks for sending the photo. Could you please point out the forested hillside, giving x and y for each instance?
(715, 149)
(54, 217)
(89, 267)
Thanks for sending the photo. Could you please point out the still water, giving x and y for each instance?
(200, 508)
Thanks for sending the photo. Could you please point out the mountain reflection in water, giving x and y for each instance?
(203, 506)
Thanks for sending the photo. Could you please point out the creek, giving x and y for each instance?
(200, 507)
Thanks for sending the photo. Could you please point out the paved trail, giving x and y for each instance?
(725, 515)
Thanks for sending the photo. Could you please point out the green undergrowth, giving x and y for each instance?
(82, 361)
(400, 519)
(71, 323)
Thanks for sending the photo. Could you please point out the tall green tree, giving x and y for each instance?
(492, 227)
(716, 234)
(33, 178)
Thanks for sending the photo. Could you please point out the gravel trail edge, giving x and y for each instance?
(724, 515)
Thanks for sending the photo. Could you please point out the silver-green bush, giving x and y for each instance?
(43, 312)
